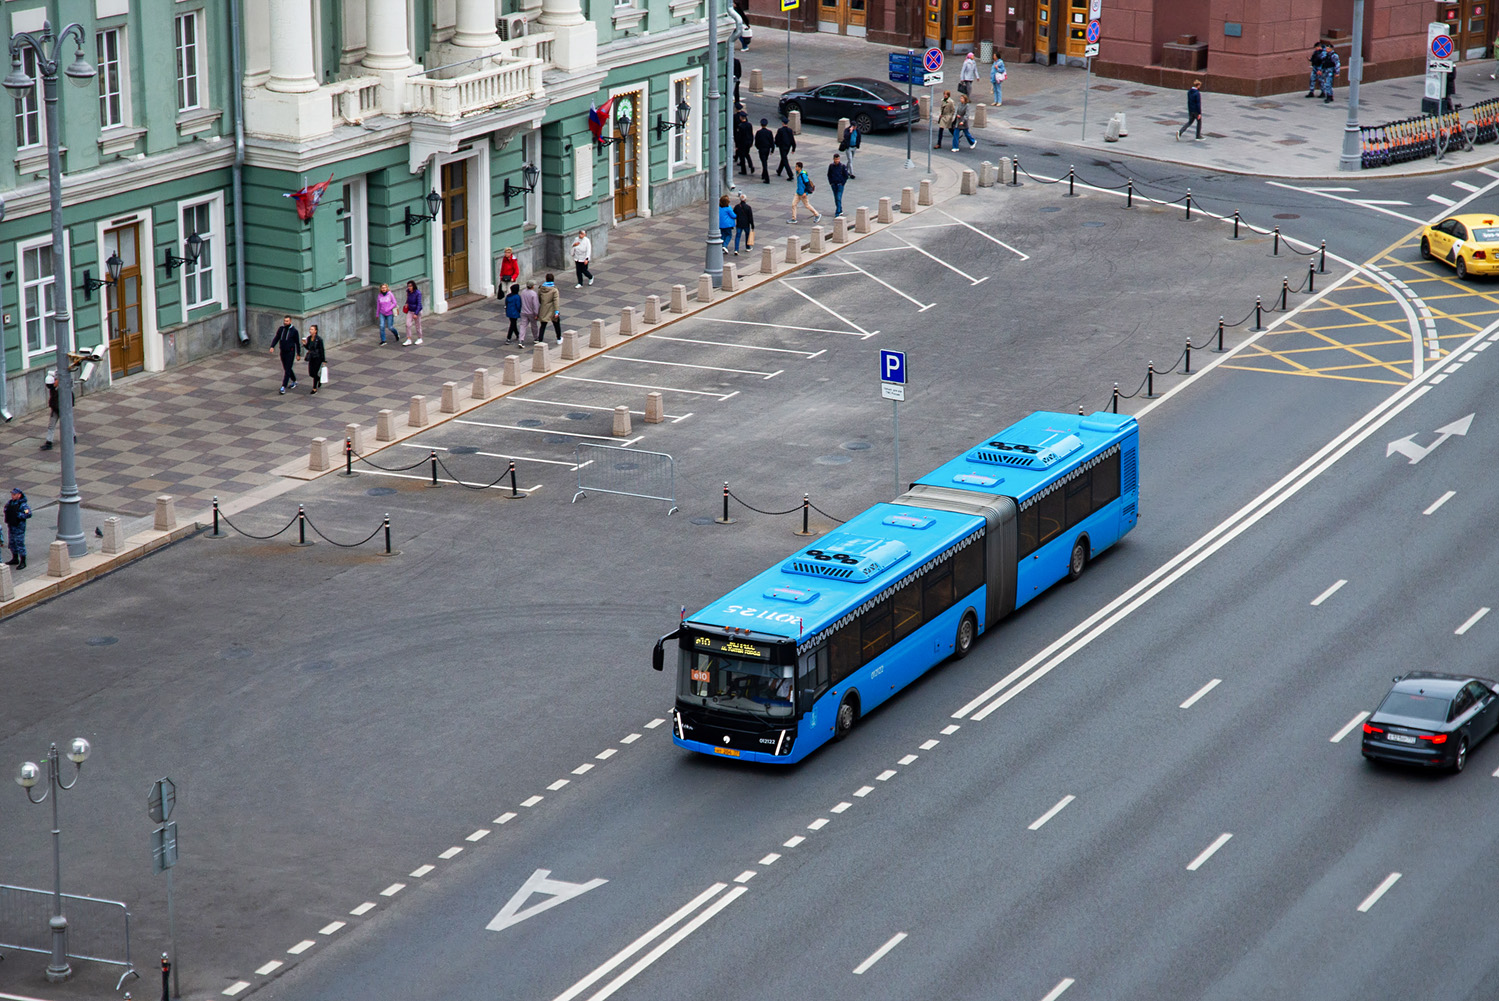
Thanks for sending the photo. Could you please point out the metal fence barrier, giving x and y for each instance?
(630, 472)
(98, 930)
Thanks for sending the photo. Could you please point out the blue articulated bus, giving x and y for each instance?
(791, 659)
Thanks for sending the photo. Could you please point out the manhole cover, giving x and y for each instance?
(1093, 225)
(578, 415)
(855, 446)
(1287, 215)
(529, 422)
(556, 439)
(702, 521)
(833, 460)
(1048, 153)
(102, 640)
(1051, 208)
(237, 653)
(380, 491)
(627, 465)
(464, 449)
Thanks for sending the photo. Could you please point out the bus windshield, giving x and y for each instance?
(714, 681)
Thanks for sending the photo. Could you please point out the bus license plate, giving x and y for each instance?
(1401, 738)
(734, 754)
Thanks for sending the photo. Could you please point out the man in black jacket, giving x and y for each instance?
(764, 143)
(1316, 79)
(837, 178)
(786, 143)
(744, 141)
(289, 340)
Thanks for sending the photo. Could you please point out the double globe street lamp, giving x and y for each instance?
(27, 777)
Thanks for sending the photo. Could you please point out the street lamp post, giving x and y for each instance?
(1352, 158)
(47, 48)
(713, 252)
(29, 775)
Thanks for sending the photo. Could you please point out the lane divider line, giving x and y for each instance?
(1379, 891)
(880, 953)
(1209, 851)
(666, 946)
(1347, 728)
(1059, 989)
(1319, 599)
(1061, 805)
(1472, 621)
(1440, 501)
(1203, 691)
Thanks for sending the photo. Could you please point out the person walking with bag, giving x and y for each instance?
(317, 356)
(960, 124)
(850, 145)
(512, 312)
(804, 188)
(785, 143)
(1194, 110)
(17, 513)
(509, 268)
(744, 224)
(726, 222)
(837, 178)
(550, 301)
(764, 143)
(413, 310)
(582, 253)
(385, 312)
(968, 75)
(288, 341)
(530, 314)
(945, 116)
(997, 77)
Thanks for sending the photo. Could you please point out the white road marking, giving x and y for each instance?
(363, 909)
(879, 953)
(561, 431)
(745, 347)
(532, 801)
(1382, 201)
(421, 871)
(558, 785)
(930, 744)
(1349, 201)
(1319, 599)
(1347, 728)
(655, 723)
(634, 385)
(1440, 501)
(1496, 773)
(1061, 805)
(702, 368)
(301, 947)
(1470, 355)
(1439, 379)
(235, 988)
(478, 835)
(392, 889)
(1208, 852)
(841, 807)
(1059, 989)
(1465, 186)
(921, 307)
(770, 859)
(330, 928)
(1439, 200)
(885, 776)
(831, 311)
(863, 791)
(451, 852)
(449, 479)
(1472, 621)
(493, 455)
(1200, 693)
(818, 824)
(504, 818)
(745, 876)
(583, 769)
(1486, 170)
(950, 729)
(793, 841)
(269, 968)
(991, 239)
(642, 942)
(630, 739)
(782, 326)
(607, 753)
(1379, 891)
(971, 280)
(907, 759)
(674, 418)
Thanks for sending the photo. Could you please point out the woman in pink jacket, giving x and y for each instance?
(385, 312)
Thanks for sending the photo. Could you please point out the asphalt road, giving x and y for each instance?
(338, 722)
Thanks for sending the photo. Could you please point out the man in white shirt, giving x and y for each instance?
(582, 254)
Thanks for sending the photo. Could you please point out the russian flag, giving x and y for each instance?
(598, 117)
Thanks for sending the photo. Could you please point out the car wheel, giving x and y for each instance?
(1462, 268)
(795, 106)
(962, 644)
(1425, 248)
(1079, 561)
(848, 714)
(864, 123)
(1461, 761)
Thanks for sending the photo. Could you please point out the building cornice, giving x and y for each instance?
(121, 175)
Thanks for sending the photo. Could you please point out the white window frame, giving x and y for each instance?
(354, 215)
(30, 106)
(47, 351)
(122, 76)
(693, 137)
(531, 153)
(218, 260)
(199, 77)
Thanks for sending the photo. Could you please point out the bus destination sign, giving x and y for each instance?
(734, 648)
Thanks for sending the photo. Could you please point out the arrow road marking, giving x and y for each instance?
(1415, 453)
(539, 882)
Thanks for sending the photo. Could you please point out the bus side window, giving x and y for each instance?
(1050, 512)
(907, 609)
(1079, 492)
(813, 672)
(1106, 481)
(843, 651)
(937, 594)
(1026, 526)
(968, 568)
(875, 627)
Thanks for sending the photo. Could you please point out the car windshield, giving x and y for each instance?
(1430, 707)
(1486, 234)
(714, 681)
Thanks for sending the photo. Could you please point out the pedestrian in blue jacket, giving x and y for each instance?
(17, 512)
(726, 222)
(512, 312)
(1194, 109)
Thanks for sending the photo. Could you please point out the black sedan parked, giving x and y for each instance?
(867, 103)
(1432, 719)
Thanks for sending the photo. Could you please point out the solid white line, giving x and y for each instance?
(301, 947)
(453, 852)
(571, 406)
(1200, 693)
(637, 385)
(392, 889)
(478, 835)
(1208, 852)
(1379, 891)
(1059, 989)
(782, 326)
(1465, 185)
(745, 876)
(879, 953)
(496, 455)
(363, 909)
(1319, 599)
(661, 950)
(330, 928)
(1061, 805)
(731, 344)
(517, 427)
(641, 942)
(235, 988)
(1381, 201)
(907, 759)
(1440, 200)
(1347, 728)
(421, 871)
(683, 364)
(1472, 620)
(960, 222)
(971, 280)
(921, 307)
(770, 859)
(263, 971)
(1440, 501)
(583, 769)
(23, 997)
(820, 274)
(793, 841)
(831, 311)
(1349, 201)
(863, 791)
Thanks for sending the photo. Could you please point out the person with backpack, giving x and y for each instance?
(850, 145)
(1315, 82)
(804, 188)
(512, 312)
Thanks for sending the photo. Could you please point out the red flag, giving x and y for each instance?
(308, 198)
(597, 117)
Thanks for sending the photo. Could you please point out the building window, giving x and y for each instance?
(681, 92)
(352, 216)
(686, 145)
(203, 280)
(111, 75)
(29, 105)
(189, 93)
(38, 296)
(531, 153)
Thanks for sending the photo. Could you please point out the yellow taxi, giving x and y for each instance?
(1470, 243)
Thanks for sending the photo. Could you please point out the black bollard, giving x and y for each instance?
(1015, 175)
(302, 527)
(1285, 292)
(1275, 245)
(1322, 266)
(725, 520)
(1129, 194)
(434, 482)
(1071, 177)
(1188, 354)
(166, 973)
(1080, 410)
(514, 493)
(1236, 224)
(1150, 381)
(348, 456)
(1116, 397)
(216, 533)
(387, 535)
(1257, 324)
(1189, 205)
(806, 514)
(1220, 334)
(1311, 277)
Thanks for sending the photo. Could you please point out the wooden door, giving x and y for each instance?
(847, 17)
(455, 228)
(1076, 38)
(1046, 32)
(627, 157)
(122, 302)
(1467, 22)
(934, 23)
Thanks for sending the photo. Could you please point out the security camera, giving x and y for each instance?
(96, 352)
(88, 370)
(5, 412)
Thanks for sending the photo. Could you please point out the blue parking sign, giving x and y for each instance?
(893, 366)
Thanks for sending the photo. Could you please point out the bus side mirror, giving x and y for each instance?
(658, 657)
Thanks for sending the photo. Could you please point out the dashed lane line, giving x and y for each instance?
(1347, 728)
(1319, 599)
(1440, 501)
(880, 953)
(1192, 701)
(1061, 805)
(1471, 621)
(1209, 851)
(1379, 891)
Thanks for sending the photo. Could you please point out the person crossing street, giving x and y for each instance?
(288, 341)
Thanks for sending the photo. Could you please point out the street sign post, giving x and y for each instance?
(931, 79)
(893, 388)
(160, 802)
(1440, 51)
(1094, 33)
(787, 6)
(901, 71)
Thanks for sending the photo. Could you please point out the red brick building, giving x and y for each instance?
(1234, 46)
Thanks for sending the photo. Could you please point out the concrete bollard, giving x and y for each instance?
(449, 403)
(655, 410)
(795, 121)
(385, 426)
(481, 389)
(885, 214)
(816, 246)
(981, 116)
(571, 349)
(730, 280)
(986, 174)
(705, 287)
(767, 260)
(114, 536)
(923, 107)
(321, 457)
(969, 185)
(840, 230)
(793, 250)
(359, 435)
(7, 584)
(757, 82)
(58, 564)
(512, 371)
(925, 197)
(1111, 131)
(621, 421)
(842, 128)
(627, 322)
(861, 219)
(908, 200)
(1006, 170)
(166, 513)
(596, 334)
(801, 83)
(679, 298)
(653, 309)
(539, 358)
(419, 414)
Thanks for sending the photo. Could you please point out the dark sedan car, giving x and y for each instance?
(867, 103)
(1432, 719)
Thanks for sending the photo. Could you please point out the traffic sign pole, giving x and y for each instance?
(1095, 31)
(893, 386)
(910, 121)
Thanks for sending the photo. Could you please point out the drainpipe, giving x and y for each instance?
(237, 83)
(4, 406)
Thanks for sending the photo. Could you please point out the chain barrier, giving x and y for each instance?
(773, 514)
(303, 522)
(218, 516)
(487, 486)
(389, 469)
(805, 507)
(345, 545)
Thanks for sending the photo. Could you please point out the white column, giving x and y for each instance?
(257, 43)
(291, 53)
(561, 12)
(385, 44)
(475, 24)
(576, 40)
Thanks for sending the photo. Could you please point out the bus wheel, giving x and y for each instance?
(963, 642)
(1079, 561)
(848, 714)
